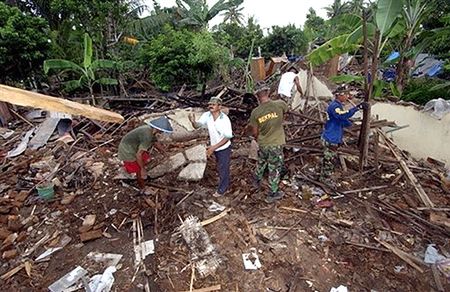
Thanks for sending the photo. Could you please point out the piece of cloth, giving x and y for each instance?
(223, 158)
(338, 119)
(286, 84)
(270, 157)
(140, 138)
(218, 129)
(328, 160)
(133, 166)
(268, 118)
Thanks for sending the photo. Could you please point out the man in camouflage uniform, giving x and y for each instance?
(266, 125)
(338, 119)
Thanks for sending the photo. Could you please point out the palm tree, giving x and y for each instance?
(197, 14)
(336, 9)
(356, 6)
(234, 15)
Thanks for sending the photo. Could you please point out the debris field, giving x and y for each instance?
(369, 232)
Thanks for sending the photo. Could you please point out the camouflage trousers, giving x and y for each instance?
(270, 157)
(328, 161)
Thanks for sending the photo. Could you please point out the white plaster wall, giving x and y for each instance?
(425, 136)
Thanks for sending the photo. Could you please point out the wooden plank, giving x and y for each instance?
(440, 219)
(420, 191)
(401, 254)
(12, 272)
(91, 235)
(208, 289)
(5, 115)
(257, 68)
(32, 99)
(437, 278)
(215, 218)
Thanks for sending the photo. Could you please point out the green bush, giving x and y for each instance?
(23, 44)
(420, 90)
(181, 56)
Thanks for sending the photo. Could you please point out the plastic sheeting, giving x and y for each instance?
(438, 108)
(426, 65)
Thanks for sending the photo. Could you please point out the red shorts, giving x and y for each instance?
(133, 166)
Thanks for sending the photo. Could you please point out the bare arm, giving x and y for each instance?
(139, 160)
(297, 84)
(253, 131)
(219, 144)
(195, 125)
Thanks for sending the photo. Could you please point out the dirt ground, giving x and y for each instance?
(302, 244)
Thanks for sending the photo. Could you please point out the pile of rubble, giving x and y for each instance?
(99, 230)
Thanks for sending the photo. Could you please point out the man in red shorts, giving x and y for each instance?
(134, 147)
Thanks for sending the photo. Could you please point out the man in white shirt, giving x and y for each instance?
(286, 86)
(220, 133)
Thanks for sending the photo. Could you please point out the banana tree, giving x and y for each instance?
(86, 71)
(379, 30)
(414, 13)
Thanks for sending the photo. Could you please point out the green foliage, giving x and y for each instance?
(337, 8)
(23, 44)
(439, 23)
(182, 56)
(197, 14)
(315, 26)
(238, 38)
(422, 90)
(234, 15)
(85, 72)
(150, 26)
(347, 79)
(336, 46)
(387, 12)
(287, 39)
(394, 89)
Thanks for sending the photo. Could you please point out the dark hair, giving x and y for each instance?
(293, 69)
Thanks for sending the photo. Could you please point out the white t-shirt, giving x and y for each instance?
(286, 84)
(218, 129)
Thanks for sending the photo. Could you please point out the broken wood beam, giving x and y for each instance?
(12, 272)
(215, 218)
(401, 254)
(420, 191)
(365, 189)
(91, 235)
(367, 246)
(207, 289)
(32, 99)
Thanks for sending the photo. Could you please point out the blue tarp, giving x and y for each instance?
(393, 56)
(424, 65)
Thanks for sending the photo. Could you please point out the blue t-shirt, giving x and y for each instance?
(338, 119)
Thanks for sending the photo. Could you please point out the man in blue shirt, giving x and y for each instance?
(338, 119)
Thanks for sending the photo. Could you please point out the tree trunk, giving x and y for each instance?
(365, 126)
(401, 68)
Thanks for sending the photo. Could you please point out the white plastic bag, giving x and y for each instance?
(440, 108)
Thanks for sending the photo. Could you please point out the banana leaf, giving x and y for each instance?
(347, 79)
(107, 81)
(387, 12)
(71, 85)
(87, 51)
(394, 89)
(59, 64)
(103, 64)
(441, 86)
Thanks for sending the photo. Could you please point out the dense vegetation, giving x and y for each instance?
(174, 46)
